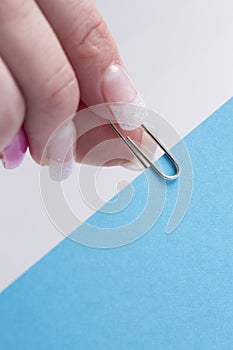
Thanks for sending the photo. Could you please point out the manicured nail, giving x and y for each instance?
(12, 155)
(118, 87)
(149, 147)
(60, 152)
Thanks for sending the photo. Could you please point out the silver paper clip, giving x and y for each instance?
(143, 158)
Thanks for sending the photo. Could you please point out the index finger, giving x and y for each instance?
(94, 56)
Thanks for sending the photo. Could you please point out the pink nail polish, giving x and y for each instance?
(12, 155)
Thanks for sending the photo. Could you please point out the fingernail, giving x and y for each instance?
(12, 155)
(149, 147)
(60, 152)
(118, 87)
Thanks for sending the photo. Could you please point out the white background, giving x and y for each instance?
(180, 55)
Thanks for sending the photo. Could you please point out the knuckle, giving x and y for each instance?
(96, 39)
(61, 90)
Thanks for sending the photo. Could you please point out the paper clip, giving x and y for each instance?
(143, 158)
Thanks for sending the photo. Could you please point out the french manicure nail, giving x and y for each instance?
(60, 171)
(60, 152)
(118, 87)
(12, 155)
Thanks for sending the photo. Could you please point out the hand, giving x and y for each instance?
(55, 54)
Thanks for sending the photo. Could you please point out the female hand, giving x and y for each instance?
(53, 55)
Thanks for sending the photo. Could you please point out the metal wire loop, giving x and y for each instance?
(144, 159)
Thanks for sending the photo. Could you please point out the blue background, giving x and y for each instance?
(161, 292)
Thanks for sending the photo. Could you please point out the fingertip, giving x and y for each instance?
(148, 147)
(13, 155)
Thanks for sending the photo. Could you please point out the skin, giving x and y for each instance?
(53, 55)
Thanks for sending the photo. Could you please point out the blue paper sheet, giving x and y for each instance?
(165, 292)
